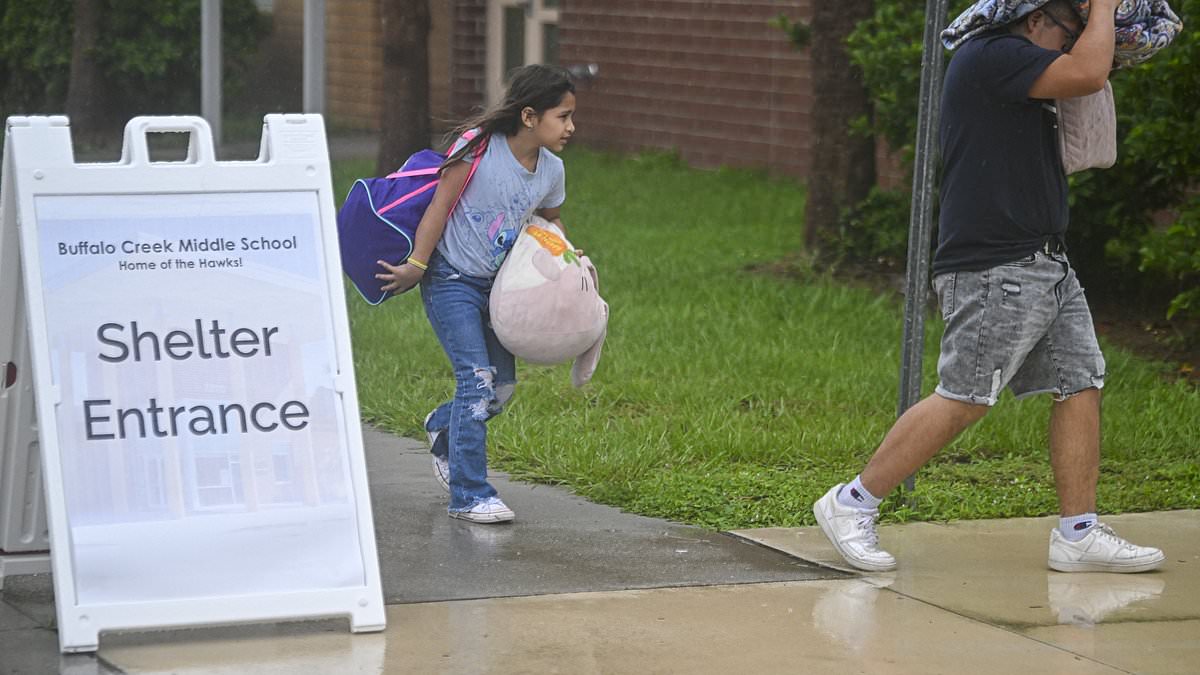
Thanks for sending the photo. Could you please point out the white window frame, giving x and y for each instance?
(537, 15)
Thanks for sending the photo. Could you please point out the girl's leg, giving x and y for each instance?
(506, 370)
(436, 425)
(457, 308)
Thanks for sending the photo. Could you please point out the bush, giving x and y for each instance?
(1175, 253)
(877, 228)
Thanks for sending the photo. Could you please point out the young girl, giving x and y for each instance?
(455, 259)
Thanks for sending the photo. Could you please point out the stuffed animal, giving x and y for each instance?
(545, 304)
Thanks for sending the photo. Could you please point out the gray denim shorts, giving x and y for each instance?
(1024, 325)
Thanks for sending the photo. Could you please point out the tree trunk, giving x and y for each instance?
(87, 101)
(843, 166)
(405, 120)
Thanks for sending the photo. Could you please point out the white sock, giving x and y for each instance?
(856, 496)
(1074, 528)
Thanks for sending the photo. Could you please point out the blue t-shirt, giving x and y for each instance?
(498, 202)
(1003, 187)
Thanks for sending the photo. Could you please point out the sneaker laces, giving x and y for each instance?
(1107, 532)
(865, 520)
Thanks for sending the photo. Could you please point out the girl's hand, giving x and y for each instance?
(399, 278)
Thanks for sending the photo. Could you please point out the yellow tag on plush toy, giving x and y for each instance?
(549, 240)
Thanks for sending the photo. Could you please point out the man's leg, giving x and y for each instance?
(917, 436)
(1081, 543)
(1075, 451)
(1068, 361)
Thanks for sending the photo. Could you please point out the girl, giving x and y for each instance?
(455, 259)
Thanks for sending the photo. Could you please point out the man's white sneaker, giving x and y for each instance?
(1101, 551)
(852, 533)
(441, 465)
(490, 510)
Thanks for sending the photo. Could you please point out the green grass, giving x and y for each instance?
(731, 397)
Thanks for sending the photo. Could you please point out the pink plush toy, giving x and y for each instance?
(546, 306)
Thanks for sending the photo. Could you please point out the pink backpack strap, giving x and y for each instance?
(474, 165)
(432, 171)
(414, 172)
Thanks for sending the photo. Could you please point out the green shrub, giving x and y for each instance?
(1175, 253)
(876, 228)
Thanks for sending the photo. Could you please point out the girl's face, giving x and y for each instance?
(553, 128)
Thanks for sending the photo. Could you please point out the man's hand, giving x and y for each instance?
(1083, 70)
(399, 278)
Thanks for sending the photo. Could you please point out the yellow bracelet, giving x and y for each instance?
(418, 264)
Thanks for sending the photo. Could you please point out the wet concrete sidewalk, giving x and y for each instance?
(574, 587)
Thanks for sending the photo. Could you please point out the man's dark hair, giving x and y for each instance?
(1063, 10)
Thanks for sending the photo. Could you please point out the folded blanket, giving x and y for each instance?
(1142, 26)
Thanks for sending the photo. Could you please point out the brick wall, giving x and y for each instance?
(711, 79)
(353, 63)
(353, 58)
(468, 57)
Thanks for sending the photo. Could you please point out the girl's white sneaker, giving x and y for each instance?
(490, 510)
(441, 471)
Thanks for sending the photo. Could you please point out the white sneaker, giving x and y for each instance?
(1101, 551)
(852, 533)
(441, 465)
(441, 471)
(490, 510)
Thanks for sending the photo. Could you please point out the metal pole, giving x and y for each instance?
(920, 228)
(314, 56)
(210, 66)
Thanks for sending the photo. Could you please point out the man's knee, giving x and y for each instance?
(1090, 395)
(963, 413)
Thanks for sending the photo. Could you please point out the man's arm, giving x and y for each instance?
(1083, 70)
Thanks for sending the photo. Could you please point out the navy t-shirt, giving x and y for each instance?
(1003, 187)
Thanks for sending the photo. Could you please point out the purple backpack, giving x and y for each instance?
(378, 220)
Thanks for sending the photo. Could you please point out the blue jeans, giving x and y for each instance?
(485, 375)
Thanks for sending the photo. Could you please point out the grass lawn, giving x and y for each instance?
(730, 397)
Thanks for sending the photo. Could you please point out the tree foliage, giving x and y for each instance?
(148, 53)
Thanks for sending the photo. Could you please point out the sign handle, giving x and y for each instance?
(136, 151)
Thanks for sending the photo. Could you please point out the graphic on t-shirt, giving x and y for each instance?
(495, 208)
(502, 239)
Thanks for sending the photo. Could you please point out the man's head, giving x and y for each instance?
(1054, 26)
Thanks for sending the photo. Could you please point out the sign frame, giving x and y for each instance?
(293, 158)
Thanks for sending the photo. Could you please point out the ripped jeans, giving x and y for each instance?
(485, 375)
(1025, 325)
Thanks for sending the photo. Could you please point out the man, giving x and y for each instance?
(1015, 314)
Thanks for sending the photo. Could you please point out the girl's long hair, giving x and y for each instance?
(536, 86)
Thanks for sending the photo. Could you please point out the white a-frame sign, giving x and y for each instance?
(195, 393)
